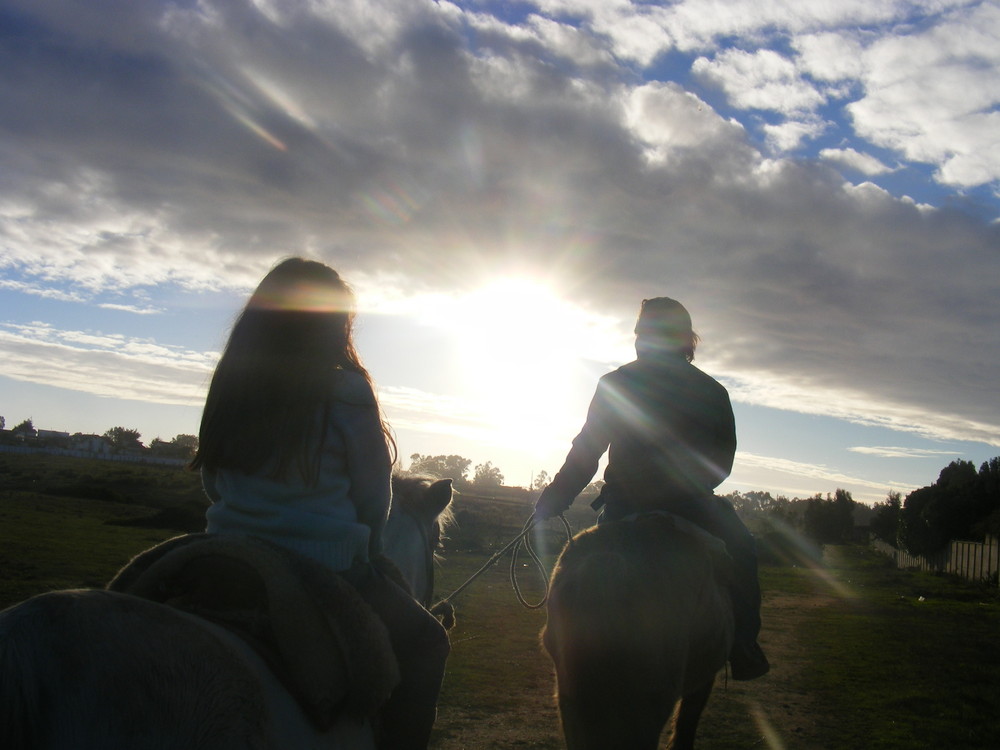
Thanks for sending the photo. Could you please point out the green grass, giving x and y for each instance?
(864, 661)
(913, 659)
(51, 543)
(497, 672)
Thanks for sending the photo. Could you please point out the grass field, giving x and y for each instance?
(864, 656)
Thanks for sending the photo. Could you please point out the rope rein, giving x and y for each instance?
(513, 545)
(526, 541)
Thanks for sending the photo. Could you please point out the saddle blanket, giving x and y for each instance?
(325, 644)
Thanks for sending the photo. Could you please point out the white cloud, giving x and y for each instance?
(412, 153)
(792, 478)
(667, 118)
(855, 403)
(132, 308)
(788, 136)
(831, 56)
(763, 80)
(849, 157)
(932, 94)
(897, 452)
(105, 365)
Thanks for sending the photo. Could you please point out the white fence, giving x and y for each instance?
(977, 561)
(133, 458)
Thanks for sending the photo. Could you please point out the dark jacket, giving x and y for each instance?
(669, 430)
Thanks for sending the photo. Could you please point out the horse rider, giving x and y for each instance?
(671, 439)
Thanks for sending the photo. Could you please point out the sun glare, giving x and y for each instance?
(523, 348)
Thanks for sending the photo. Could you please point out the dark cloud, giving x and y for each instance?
(192, 142)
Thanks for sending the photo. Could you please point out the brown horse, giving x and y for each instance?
(639, 621)
(93, 669)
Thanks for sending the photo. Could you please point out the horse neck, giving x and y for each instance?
(407, 544)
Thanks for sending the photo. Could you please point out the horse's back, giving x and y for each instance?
(637, 607)
(101, 670)
(66, 656)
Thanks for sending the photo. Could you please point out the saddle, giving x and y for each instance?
(322, 641)
(722, 563)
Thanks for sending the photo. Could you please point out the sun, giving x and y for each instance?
(523, 347)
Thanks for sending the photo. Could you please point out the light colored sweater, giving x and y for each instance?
(340, 518)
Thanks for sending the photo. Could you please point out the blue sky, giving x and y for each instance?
(502, 183)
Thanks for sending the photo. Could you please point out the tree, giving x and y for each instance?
(122, 438)
(751, 503)
(443, 467)
(25, 429)
(830, 521)
(541, 481)
(186, 445)
(487, 475)
(3, 423)
(182, 446)
(918, 532)
(989, 488)
(885, 523)
(956, 506)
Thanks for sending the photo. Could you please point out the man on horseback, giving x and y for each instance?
(671, 438)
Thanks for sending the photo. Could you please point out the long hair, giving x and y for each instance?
(274, 383)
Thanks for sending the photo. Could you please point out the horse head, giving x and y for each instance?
(420, 513)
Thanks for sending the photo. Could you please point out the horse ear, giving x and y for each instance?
(438, 496)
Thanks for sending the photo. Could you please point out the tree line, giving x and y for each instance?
(962, 504)
(824, 520)
(118, 439)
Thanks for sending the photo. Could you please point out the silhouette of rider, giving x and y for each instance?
(671, 438)
(293, 449)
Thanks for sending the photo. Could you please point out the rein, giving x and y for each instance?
(514, 546)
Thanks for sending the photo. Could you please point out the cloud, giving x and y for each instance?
(760, 80)
(788, 136)
(105, 365)
(849, 157)
(192, 145)
(931, 94)
(897, 452)
(132, 308)
(801, 474)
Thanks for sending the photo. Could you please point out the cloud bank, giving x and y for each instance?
(624, 150)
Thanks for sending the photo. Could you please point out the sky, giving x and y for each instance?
(502, 183)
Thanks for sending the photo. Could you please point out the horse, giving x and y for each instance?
(93, 668)
(639, 622)
(413, 530)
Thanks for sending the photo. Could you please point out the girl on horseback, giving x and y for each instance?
(293, 449)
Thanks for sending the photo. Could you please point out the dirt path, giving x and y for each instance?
(782, 712)
(774, 712)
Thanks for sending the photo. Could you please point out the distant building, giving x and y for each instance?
(53, 437)
(90, 444)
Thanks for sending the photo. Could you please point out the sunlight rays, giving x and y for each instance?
(805, 556)
(525, 358)
(770, 734)
(522, 344)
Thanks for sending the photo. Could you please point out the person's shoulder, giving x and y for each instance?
(622, 371)
(614, 378)
(708, 380)
(352, 387)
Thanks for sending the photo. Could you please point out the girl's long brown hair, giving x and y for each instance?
(274, 383)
